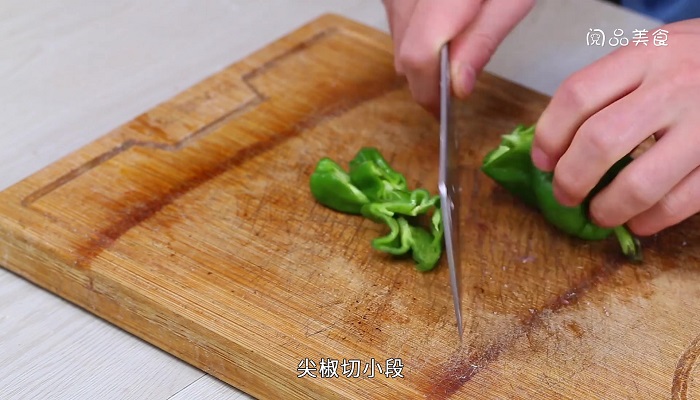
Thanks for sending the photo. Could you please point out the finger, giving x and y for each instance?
(398, 14)
(473, 48)
(579, 97)
(647, 179)
(676, 206)
(432, 24)
(604, 139)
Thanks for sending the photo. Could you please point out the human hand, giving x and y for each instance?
(606, 110)
(475, 28)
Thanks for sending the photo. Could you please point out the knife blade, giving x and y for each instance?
(449, 184)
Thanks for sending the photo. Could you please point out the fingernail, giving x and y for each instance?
(464, 80)
(541, 159)
(594, 214)
(600, 220)
(563, 198)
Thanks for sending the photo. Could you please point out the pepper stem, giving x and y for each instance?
(631, 247)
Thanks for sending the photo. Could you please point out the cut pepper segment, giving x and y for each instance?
(373, 189)
(331, 186)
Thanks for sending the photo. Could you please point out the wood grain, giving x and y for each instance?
(192, 227)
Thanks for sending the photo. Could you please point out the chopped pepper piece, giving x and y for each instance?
(373, 189)
(427, 247)
(510, 165)
(369, 158)
(331, 186)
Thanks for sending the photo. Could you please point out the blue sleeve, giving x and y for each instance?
(665, 10)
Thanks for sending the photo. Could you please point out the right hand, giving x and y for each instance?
(475, 28)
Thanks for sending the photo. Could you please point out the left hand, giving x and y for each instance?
(606, 110)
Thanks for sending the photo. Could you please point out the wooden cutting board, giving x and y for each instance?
(193, 228)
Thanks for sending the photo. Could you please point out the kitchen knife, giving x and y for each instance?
(449, 183)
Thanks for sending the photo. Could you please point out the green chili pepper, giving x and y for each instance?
(425, 247)
(387, 212)
(572, 220)
(375, 190)
(331, 186)
(510, 165)
(369, 179)
(383, 170)
(413, 204)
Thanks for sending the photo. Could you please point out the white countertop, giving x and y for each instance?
(72, 70)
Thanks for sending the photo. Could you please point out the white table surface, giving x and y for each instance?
(72, 70)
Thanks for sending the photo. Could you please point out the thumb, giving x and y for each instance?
(472, 49)
(432, 24)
